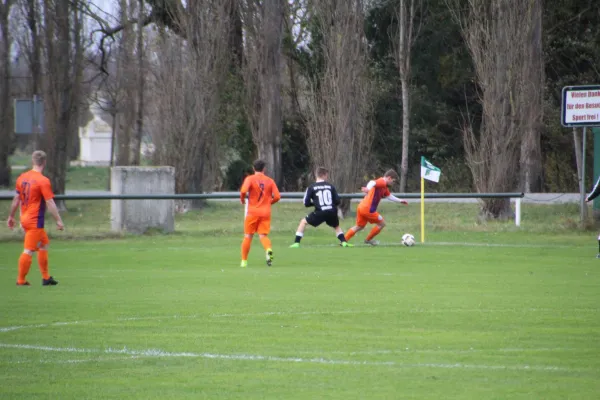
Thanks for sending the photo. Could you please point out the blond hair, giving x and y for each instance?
(322, 172)
(38, 158)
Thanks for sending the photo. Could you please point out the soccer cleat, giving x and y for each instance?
(346, 244)
(49, 282)
(24, 284)
(269, 257)
(372, 242)
(244, 263)
(295, 245)
(598, 256)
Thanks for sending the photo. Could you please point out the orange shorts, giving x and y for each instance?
(363, 217)
(260, 225)
(35, 238)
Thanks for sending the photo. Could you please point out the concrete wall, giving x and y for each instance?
(139, 215)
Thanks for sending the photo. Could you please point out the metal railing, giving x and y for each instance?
(285, 195)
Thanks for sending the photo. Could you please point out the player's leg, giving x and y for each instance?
(264, 227)
(313, 219)
(299, 233)
(246, 244)
(333, 221)
(250, 225)
(42, 256)
(379, 222)
(361, 222)
(339, 233)
(29, 246)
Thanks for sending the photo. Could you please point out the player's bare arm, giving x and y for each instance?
(16, 202)
(54, 211)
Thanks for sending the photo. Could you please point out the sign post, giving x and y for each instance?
(581, 107)
(29, 116)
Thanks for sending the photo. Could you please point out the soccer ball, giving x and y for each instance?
(408, 239)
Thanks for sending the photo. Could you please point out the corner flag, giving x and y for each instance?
(431, 173)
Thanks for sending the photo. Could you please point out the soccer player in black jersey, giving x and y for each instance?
(593, 194)
(324, 198)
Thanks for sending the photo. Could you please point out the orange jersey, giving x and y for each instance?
(262, 192)
(376, 193)
(33, 189)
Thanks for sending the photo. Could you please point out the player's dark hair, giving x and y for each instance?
(392, 174)
(259, 165)
(322, 172)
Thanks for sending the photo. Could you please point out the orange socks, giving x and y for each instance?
(374, 232)
(266, 242)
(246, 247)
(247, 242)
(42, 256)
(24, 265)
(350, 234)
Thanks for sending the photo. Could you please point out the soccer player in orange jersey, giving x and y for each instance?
(367, 209)
(261, 192)
(34, 195)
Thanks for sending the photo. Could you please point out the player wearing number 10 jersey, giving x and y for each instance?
(262, 192)
(324, 197)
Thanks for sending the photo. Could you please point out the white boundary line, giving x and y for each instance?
(299, 313)
(250, 357)
(308, 246)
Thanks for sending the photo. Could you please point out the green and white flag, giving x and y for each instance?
(429, 171)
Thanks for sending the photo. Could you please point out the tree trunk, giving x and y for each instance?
(77, 83)
(236, 34)
(63, 86)
(6, 131)
(113, 138)
(139, 129)
(270, 123)
(405, 15)
(126, 76)
(35, 65)
(58, 46)
(531, 153)
(405, 133)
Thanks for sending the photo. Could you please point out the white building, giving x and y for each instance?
(95, 139)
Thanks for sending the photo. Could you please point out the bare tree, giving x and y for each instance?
(126, 72)
(533, 98)
(404, 38)
(6, 131)
(263, 23)
(496, 35)
(340, 101)
(63, 57)
(141, 73)
(186, 80)
(28, 42)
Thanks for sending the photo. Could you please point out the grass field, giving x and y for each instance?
(78, 178)
(480, 311)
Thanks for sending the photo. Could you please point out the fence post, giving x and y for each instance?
(518, 211)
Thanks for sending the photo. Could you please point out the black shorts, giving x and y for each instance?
(316, 218)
